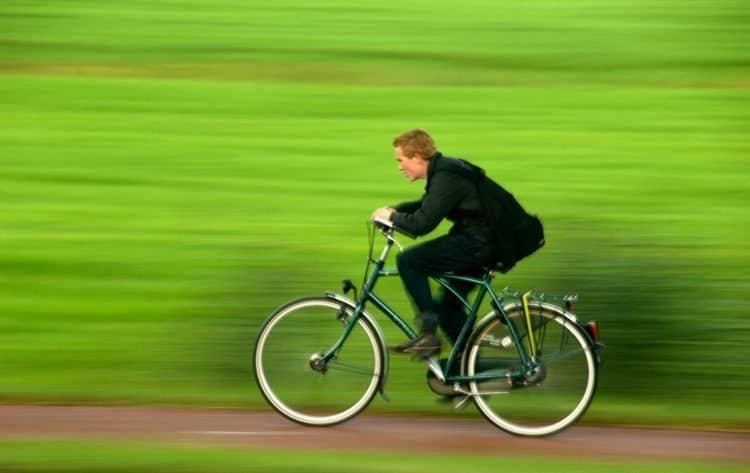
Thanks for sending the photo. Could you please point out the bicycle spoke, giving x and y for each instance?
(559, 355)
(337, 365)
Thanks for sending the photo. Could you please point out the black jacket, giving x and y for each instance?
(448, 194)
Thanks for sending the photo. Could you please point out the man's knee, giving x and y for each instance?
(406, 260)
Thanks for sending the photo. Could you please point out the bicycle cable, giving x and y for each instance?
(371, 237)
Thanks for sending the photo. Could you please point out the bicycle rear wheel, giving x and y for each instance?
(551, 398)
(288, 368)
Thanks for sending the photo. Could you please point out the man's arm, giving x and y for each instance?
(444, 194)
(408, 207)
(386, 212)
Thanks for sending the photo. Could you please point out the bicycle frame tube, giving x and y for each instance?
(471, 311)
(391, 314)
(484, 287)
(368, 295)
(526, 360)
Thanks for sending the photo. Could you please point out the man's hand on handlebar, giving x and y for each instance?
(382, 219)
(383, 213)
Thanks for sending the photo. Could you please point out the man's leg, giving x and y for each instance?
(452, 313)
(455, 253)
(416, 264)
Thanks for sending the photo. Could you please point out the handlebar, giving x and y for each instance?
(387, 227)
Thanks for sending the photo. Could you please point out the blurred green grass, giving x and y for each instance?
(80, 456)
(171, 172)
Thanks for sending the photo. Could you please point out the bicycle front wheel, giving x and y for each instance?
(294, 379)
(552, 396)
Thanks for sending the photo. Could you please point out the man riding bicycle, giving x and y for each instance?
(450, 194)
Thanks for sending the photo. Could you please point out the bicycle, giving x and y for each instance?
(529, 365)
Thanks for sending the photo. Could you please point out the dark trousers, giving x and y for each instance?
(457, 253)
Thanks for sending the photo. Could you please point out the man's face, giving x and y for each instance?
(413, 168)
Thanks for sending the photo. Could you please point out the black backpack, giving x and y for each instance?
(515, 233)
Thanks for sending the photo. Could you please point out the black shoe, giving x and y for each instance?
(424, 346)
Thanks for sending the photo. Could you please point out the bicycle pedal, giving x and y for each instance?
(460, 402)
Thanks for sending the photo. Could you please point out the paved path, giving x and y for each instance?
(364, 433)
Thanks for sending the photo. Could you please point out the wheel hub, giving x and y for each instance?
(535, 375)
(317, 363)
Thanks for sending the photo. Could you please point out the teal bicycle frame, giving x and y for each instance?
(484, 287)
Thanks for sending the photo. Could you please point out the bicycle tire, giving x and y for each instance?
(287, 342)
(569, 371)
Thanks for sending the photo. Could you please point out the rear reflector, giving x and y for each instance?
(593, 330)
